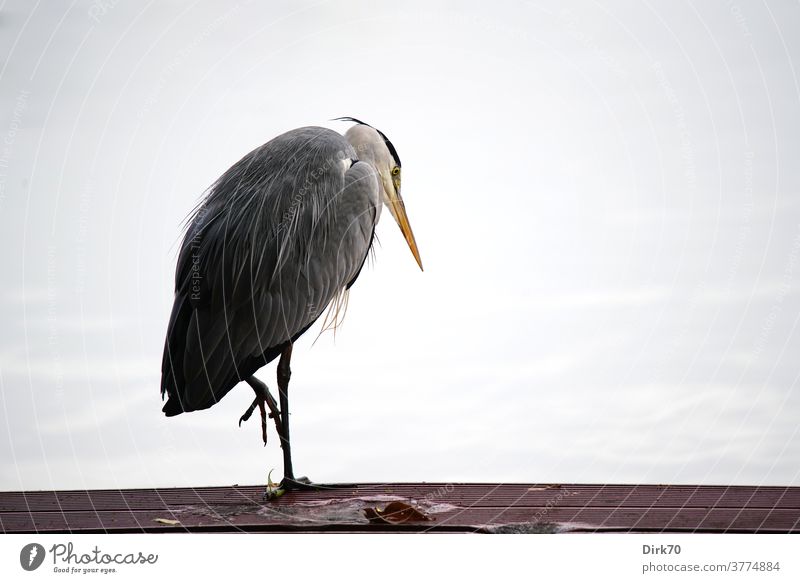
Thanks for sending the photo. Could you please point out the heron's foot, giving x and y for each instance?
(259, 402)
(287, 485)
(304, 484)
(263, 400)
(299, 485)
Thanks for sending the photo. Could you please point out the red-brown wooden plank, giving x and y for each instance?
(454, 506)
(500, 495)
(471, 519)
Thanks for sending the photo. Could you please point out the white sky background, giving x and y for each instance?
(606, 199)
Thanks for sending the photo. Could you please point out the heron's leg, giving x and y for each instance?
(289, 482)
(284, 374)
(263, 397)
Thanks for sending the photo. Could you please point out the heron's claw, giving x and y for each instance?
(263, 421)
(248, 413)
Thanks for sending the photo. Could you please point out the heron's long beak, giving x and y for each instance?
(398, 209)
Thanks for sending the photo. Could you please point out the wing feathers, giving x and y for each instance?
(280, 235)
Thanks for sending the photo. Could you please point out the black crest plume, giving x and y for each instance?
(389, 144)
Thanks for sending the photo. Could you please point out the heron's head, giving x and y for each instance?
(374, 147)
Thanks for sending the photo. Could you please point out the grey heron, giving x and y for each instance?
(278, 238)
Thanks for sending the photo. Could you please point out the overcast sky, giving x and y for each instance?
(606, 198)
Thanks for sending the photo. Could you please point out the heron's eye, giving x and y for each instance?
(395, 170)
